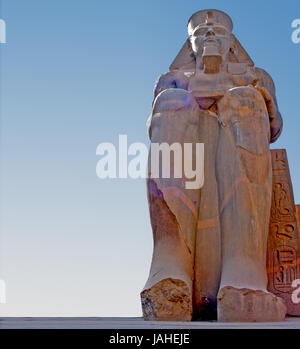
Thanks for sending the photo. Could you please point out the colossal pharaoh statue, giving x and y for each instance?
(210, 244)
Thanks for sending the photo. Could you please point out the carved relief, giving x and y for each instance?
(283, 244)
(285, 268)
(298, 220)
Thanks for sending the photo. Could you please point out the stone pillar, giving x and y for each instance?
(298, 219)
(283, 263)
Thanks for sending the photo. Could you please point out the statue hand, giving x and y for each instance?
(276, 127)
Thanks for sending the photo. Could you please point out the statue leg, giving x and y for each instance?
(167, 294)
(245, 182)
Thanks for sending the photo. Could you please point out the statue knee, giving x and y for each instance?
(242, 92)
(174, 99)
(244, 112)
(243, 99)
(243, 103)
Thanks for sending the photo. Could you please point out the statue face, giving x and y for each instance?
(212, 35)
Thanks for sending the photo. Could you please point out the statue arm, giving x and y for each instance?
(265, 86)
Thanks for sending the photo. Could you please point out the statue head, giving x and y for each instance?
(210, 33)
(210, 42)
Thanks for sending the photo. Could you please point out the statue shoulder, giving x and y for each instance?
(172, 79)
(265, 80)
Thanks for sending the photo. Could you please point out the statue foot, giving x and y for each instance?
(168, 300)
(246, 305)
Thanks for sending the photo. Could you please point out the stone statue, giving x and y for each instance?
(210, 244)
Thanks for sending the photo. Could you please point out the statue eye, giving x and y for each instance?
(220, 31)
(200, 31)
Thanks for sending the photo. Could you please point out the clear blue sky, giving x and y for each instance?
(75, 73)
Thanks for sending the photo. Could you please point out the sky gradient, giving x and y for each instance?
(78, 73)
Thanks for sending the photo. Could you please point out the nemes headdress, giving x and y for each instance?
(209, 17)
(186, 58)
